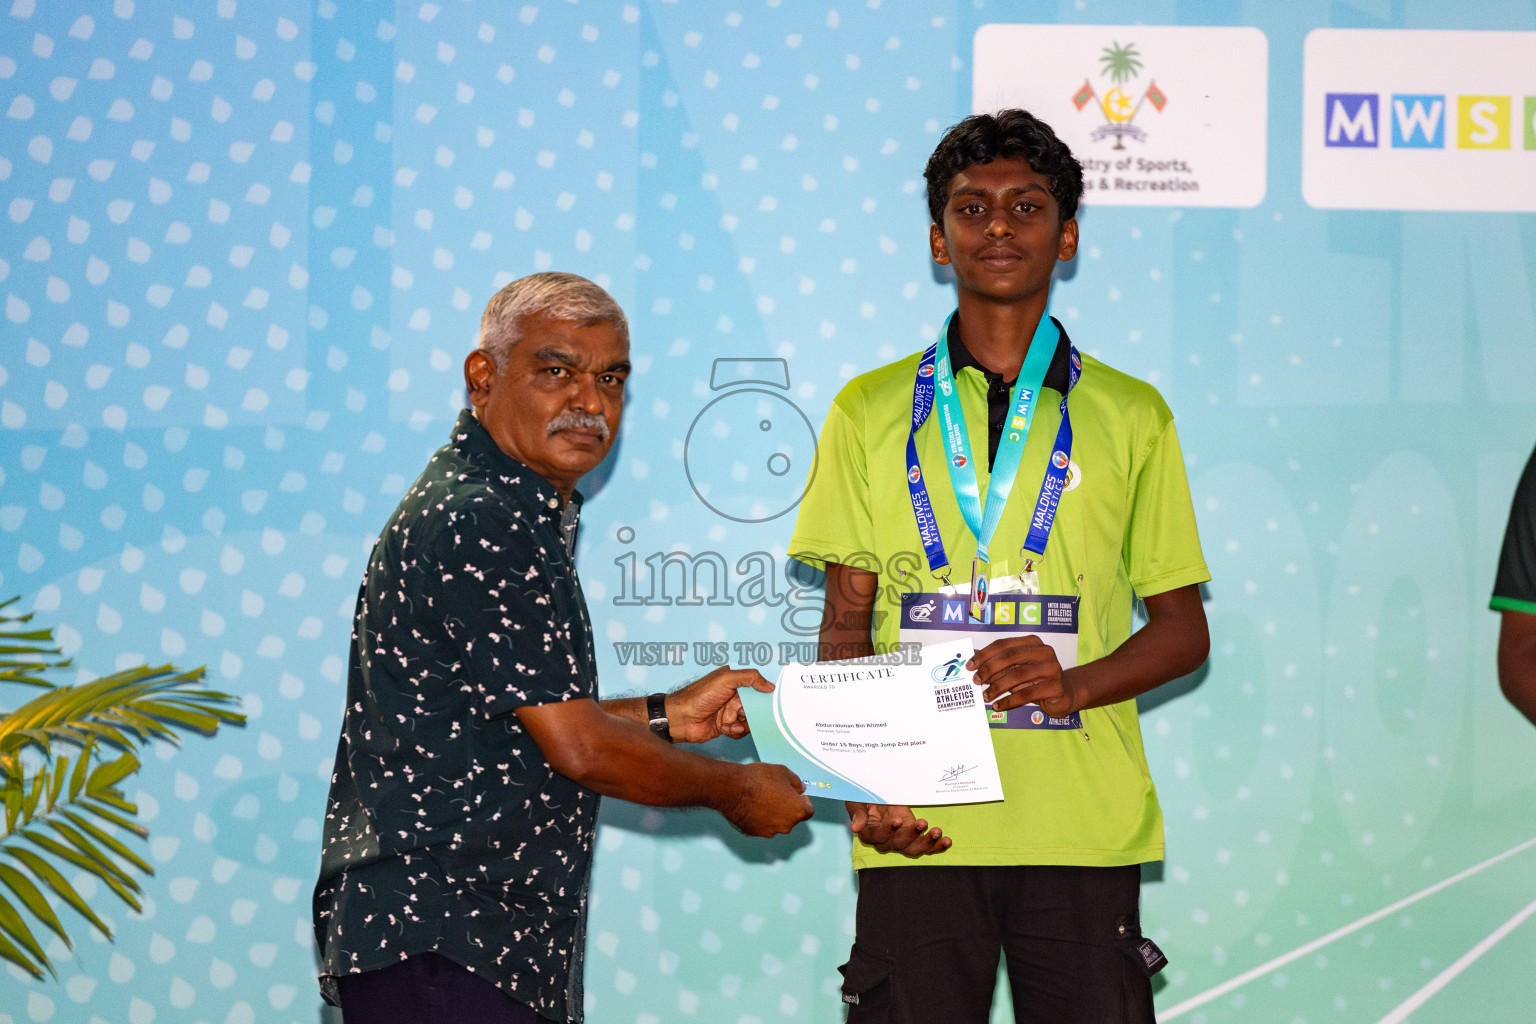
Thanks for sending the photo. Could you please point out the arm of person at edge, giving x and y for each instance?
(1517, 661)
(615, 755)
(845, 633)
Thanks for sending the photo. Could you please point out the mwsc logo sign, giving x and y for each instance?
(1366, 120)
(1419, 120)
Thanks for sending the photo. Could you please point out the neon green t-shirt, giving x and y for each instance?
(1125, 527)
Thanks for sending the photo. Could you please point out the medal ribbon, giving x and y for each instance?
(1055, 483)
(1022, 403)
(983, 524)
(922, 508)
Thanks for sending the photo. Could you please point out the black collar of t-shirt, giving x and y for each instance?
(999, 391)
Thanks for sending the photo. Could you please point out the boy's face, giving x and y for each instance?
(1002, 231)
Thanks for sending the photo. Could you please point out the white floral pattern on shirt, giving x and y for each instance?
(446, 830)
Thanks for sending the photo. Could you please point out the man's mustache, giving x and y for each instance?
(572, 420)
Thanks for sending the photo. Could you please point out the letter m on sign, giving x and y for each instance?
(1351, 119)
(954, 611)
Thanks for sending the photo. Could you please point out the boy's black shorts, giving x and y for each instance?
(928, 939)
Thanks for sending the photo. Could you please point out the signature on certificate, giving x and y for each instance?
(951, 774)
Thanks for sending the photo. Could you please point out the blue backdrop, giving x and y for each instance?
(245, 250)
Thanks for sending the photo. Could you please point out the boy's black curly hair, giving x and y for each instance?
(982, 138)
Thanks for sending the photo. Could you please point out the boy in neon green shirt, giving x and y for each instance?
(1050, 875)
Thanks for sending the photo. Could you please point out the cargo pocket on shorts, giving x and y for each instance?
(867, 984)
(1145, 960)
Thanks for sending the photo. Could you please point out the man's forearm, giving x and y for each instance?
(632, 708)
(700, 711)
(617, 757)
(627, 762)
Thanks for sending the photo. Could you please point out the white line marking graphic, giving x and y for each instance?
(1231, 984)
(1466, 960)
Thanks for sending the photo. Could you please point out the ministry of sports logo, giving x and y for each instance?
(1154, 118)
(1120, 64)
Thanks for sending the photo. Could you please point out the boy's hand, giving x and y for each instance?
(890, 828)
(1019, 670)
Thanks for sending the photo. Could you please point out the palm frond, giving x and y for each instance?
(25, 654)
(122, 709)
(63, 756)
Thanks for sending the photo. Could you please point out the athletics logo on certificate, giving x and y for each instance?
(930, 618)
(953, 688)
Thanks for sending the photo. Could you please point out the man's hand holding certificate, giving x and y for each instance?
(881, 730)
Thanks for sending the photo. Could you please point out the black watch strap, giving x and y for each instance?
(656, 715)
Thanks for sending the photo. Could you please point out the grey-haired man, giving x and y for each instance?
(473, 750)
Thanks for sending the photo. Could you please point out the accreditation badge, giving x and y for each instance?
(930, 618)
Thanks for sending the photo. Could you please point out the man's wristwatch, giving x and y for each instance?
(656, 713)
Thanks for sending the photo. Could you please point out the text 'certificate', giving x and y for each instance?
(882, 729)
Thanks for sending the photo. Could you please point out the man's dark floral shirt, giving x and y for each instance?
(446, 831)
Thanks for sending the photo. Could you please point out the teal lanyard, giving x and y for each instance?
(962, 470)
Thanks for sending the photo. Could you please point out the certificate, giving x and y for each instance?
(887, 729)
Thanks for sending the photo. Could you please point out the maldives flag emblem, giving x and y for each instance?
(1200, 128)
